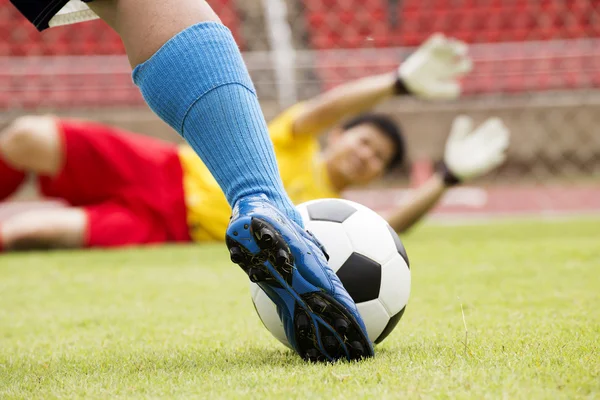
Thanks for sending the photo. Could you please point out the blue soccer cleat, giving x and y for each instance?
(320, 318)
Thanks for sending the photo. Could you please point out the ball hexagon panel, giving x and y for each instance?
(399, 246)
(361, 277)
(370, 236)
(390, 326)
(375, 317)
(331, 210)
(333, 236)
(395, 284)
(356, 205)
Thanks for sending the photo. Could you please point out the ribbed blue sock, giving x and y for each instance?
(198, 83)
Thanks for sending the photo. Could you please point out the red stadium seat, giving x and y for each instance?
(367, 24)
(61, 81)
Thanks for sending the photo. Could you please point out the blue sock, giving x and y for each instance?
(198, 83)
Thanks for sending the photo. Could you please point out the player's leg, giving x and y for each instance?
(198, 83)
(44, 229)
(103, 225)
(28, 144)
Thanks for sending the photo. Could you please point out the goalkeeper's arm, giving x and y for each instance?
(433, 71)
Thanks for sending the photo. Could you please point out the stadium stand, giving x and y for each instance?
(523, 44)
(54, 69)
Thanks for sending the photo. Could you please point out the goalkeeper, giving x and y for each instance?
(127, 189)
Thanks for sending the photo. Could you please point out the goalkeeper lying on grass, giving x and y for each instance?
(127, 189)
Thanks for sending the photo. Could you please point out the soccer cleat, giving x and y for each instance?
(320, 318)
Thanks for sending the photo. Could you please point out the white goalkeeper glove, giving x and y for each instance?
(471, 153)
(435, 69)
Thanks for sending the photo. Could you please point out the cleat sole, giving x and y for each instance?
(324, 329)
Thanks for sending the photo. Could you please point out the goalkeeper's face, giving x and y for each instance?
(360, 154)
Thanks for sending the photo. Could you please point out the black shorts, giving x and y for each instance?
(40, 12)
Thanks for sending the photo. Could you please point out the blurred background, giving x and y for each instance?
(537, 66)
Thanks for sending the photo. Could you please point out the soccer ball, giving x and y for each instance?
(367, 256)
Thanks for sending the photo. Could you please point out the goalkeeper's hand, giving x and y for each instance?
(435, 69)
(471, 153)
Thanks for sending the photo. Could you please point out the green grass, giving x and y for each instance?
(178, 322)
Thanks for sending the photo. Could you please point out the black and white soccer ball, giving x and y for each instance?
(367, 256)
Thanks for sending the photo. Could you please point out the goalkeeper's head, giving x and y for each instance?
(364, 148)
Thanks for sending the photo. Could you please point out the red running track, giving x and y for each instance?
(459, 202)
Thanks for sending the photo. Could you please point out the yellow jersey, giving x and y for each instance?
(302, 170)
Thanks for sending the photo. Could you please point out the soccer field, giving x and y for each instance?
(178, 322)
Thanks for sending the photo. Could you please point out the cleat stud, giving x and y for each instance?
(312, 355)
(357, 348)
(236, 255)
(302, 324)
(282, 257)
(341, 326)
(266, 236)
(317, 304)
(330, 343)
(256, 275)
